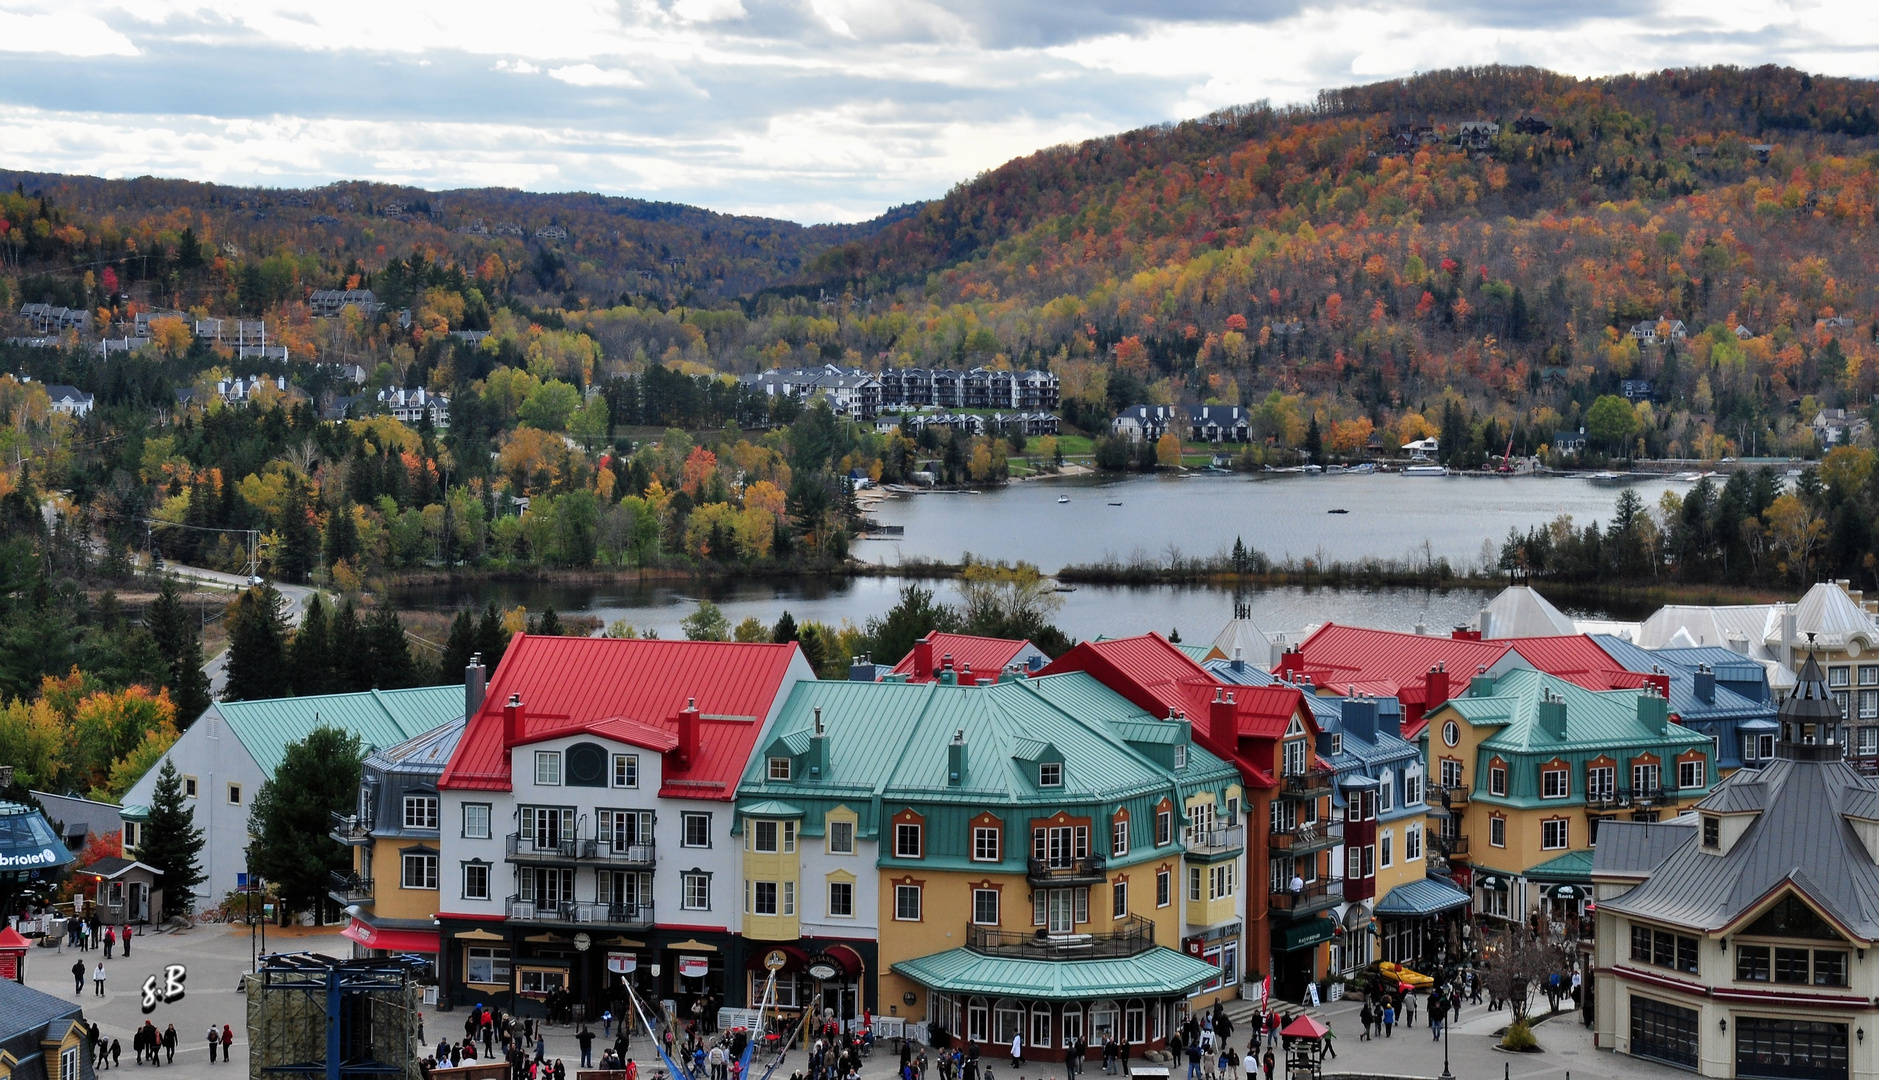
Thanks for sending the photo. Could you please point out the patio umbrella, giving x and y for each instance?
(1304, 1028)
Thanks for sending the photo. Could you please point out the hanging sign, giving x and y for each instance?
(622, 963)
(693, 967)
(775, 959)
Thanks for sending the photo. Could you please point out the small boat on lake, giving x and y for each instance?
(1115, 504)
(1426, 470)
(1063, 498)
(1339, 510)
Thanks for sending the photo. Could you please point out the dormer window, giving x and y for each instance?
(1180, 757)
(1050, 774)
(1712, 831)
(779, 768)
(1337, 744)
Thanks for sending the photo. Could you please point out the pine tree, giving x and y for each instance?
(311, 655)
(353, 667)
(342, 534)
(1314, 440)
(785, 631)
(316, 777)
(257, 646)
(300, 540)
(548, 624)
(172, 841)
(460, 646)
(174, 629)
(385, 640)
(491, 639)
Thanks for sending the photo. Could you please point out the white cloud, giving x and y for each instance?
(517, 67)
(61, 33)
(590, 75)
(708, 10)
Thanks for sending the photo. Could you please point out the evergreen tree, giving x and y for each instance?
(548, 624)
(257, 646)
(786, 631)
(1314, 440)
(300, 539)
(492, 640)
(311, 653)
(342, 534)
(177, 640)
(353, 667)
(892, 635)
(290, 817)
(460, 646)
(391, 653)
(172, 841)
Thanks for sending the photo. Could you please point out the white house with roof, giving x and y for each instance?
(69, 400)
(235, 746)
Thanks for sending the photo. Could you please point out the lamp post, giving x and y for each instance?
(1446, 1074)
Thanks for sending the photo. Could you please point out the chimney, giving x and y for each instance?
(688, 733)
(1484, 625)
(956, 759)
(1553, 714)
(1360, 718)
(1653, 711)
(1464, 633)
(861, 669)
(513, 715)
(923, 658)
(818, 764)
(1434, 687)
(1482, 685)
(475, 681)
(1787, 636)
(1223, 722)
(1661, 681)
(1290, 664)
(1705, 683)
(1239, 662)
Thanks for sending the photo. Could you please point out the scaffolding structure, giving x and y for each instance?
(311, 1016)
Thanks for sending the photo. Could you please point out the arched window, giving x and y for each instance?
(1135, 1022)
(1072, 1024)
(587, 765)
(978, 1020)
(1040, 1024)
(1009, 1020)
(1105, 1020)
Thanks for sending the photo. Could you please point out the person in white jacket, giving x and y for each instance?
(1017, 1050)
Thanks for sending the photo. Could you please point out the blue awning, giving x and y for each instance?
(1758, 725)
(28, 846)
(1420, 899)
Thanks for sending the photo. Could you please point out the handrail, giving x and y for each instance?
(1135, 935)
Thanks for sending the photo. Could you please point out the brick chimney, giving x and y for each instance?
(1223, 722)
(1291, 662)
(513, 716)
(688, 733)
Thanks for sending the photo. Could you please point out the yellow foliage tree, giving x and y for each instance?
(1168, 450)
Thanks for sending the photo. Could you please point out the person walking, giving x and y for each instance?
(117, 1051)
(215, 1040)
(1270, 1063)
(1389, 1018)
(1017, 1050)
(586, 1038)
(1409, 1010)
(1193, 1061)
(125, 938)
(1366, 1016)
(78, 976)
(97, 978)
(169, 1044)
(228, 1039)
(110, 941)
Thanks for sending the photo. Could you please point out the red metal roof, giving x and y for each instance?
(1393, 664)
(631, 690)
(985, 656)
(1578, 659)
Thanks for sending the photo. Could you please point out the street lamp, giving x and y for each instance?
(1446, 1020)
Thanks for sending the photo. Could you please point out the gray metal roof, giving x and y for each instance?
(26, 1009)
(1633, 848)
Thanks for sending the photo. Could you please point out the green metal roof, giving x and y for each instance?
(381, 718)
(1160, 971)
(1429, 896)
(1572, 868)
(775, 808)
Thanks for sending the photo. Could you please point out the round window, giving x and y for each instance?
(1451, 733)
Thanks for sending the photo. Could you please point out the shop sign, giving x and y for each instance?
(622, 963)
(693, 967)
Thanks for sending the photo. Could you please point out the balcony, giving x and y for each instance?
(1136, 935)
(1316, 896)
(583, 913)
(348, 888)
(1217, 843)
(1085, 871)
(1309, 784)
(523, 848)
(1452, 846)
(1451, 797)
(1644, 796)
(350, 829)
(1301, 840)
(1603, 799)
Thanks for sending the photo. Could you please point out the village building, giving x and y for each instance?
(970, 655)
(1734, 940)
(68, 400)
(41, 1037)
(1139, 423)
(1712, 691)
(1220, 423)
(416, 406)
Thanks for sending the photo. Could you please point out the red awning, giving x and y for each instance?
(847, 957)
(794, 959)
(416, 941)
(1304, 1028)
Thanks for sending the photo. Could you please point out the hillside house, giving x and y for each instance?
(69, 400)
(1660, 331)
(1220, 423)
(1838, 427)
(1150, 422)
(414, 405)
(330, 303)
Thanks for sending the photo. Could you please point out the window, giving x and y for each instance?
(1119, 839)
(475, 881)
(1337, 743)
(1497, 780)
(1180, 757)
(779, 768)
(1050, 774)
(626, 770)
(1163, 888)
(762, 898)
(419, 871)
(1220, 880)
(841, 899)
(1295, 757)
(1829, 967)
(1119, 900)
(841, 838)
(907, 903)
(1644, 778)
(1868, 704)
(1386, 793)
(541, 981)
(695, 889)
(1552, 783)
(1690, 774)
(1553, 834)
(1412, 843)
(1751, 962)
(1791, 966)
(1194, 884)
(1164, 827)
(1387, 848)
(1837, 676)
(1040, 1024)
(984, 843)
(985, 907)
(486, 965)
(1353, 862)
(978, 1020)
(1712, 831)
(1758, 747)
(1081, 898)
(68, 1064)
(189, 786)
(1135, 1022)
(476, 821)
(234, 794)
(420, 811)
(1868, 739)
(1600, 781)
(906, 840)
(131, 829)
(548, 768)
(764, 836)
(695, 830)
(1663, 949)
(1666, 1032)
(1451, 773)
(1497, 831)
(1869, 674)
(1412, 788)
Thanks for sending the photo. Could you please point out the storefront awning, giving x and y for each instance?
(1305, 934)
(28, 846)
(372, 937)
(1158, 972)
(1572, 868)
(1421, 899)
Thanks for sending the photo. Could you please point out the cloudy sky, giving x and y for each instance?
(812, 110)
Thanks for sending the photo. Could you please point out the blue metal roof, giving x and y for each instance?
(1430, 896)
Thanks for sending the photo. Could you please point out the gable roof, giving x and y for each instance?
(631, 690)
(1520, 611)
(985, 656)
(1577, 658)
(381, 718)
(1680, 666)
(427, 751)
(1595, 720)
(1387, 663)
(27, 1009)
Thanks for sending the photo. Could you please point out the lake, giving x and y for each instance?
(1389, 516)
